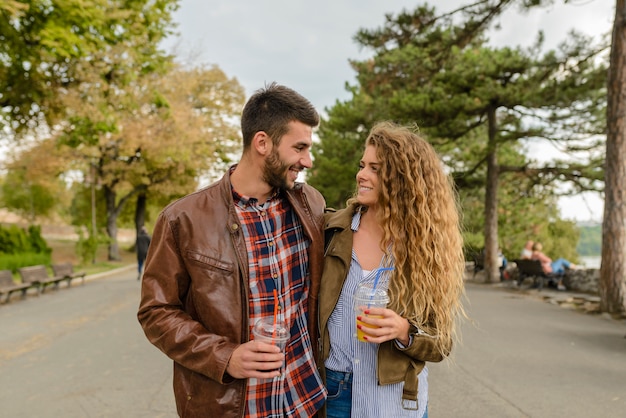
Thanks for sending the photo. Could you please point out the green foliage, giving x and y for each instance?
(473, 101)
(80, 207)
(590, 243)
(15, 261)
(16, 240)
(44, 45)
(29, 199)
(336, 164)
(87, 247)
(22, 247)
(522, 215)
(37, 243)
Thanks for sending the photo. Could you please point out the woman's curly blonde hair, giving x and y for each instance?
(419, 213)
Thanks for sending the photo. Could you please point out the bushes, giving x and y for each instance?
(14, 261)
(20, 248)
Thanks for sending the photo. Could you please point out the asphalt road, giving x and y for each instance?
(80, 352)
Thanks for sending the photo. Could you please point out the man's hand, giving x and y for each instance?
(255, 359)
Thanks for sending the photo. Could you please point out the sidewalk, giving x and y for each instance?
(523, 357)
(79, 352)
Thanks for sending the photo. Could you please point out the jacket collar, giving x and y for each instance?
(341, 219)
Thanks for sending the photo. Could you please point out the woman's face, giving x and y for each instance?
(367, 178)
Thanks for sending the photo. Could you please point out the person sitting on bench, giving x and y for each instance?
(527, 251)
(556, 267)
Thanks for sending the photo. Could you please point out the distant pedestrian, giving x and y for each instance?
(142, 244)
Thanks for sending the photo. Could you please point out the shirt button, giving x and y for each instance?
(235, 227)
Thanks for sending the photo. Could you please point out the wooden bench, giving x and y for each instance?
(532, 268)
(8, 285)
(37, 276)
(479, 262)
(67, 270)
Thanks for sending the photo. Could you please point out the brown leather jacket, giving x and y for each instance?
(394, 364)
(194, 298)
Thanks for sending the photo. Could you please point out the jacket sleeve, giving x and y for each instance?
(162, 314)
(422, 347)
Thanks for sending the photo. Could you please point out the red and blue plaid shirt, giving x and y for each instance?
(278, 259)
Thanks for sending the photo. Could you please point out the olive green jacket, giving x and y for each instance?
(395, 364)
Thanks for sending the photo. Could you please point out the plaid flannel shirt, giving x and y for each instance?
(278, 259)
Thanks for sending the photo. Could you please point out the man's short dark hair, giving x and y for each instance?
(270, 109)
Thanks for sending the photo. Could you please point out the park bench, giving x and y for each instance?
(8, 285)
(67, 270)
(532, 268)
(479, 262)
(38, 277)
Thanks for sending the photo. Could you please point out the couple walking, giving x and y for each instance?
(253, 245)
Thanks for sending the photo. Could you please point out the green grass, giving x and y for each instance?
(65, 251)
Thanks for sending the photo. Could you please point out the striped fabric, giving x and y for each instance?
(278, 259)
(347, 354)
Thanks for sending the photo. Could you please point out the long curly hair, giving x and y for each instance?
(419, 213)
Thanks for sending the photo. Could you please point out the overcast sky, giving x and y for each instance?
(306, 45)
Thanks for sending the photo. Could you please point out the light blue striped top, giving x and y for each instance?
(369, 399)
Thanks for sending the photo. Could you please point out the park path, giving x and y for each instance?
(524, 357)
(80, 352)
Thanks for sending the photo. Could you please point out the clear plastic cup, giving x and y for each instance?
(365, 297)
(276, 334)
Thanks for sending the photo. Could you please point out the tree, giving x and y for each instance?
(42, 43)
(439, 74)
(32, 186)
(178, 127)
(612, 286)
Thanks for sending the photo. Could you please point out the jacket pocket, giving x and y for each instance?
(210, 261)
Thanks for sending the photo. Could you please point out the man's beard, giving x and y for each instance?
(275, 171)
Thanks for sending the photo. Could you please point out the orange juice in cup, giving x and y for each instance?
(367, 296)
(359, 332)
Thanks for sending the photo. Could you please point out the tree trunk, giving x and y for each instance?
(140, 211)
(612, 286)
(110, 196)
(492, 272)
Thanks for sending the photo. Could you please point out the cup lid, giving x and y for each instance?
(265, 327)
(366, 292)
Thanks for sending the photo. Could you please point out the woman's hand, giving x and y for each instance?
(387, 324)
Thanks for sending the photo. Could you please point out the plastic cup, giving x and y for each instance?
(365, 297)
(276, 334)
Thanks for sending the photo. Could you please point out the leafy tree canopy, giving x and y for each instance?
(42, 43)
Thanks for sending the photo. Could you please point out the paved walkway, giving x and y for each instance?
(80, 352)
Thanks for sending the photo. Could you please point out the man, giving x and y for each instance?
(141, 245)
(244, 248)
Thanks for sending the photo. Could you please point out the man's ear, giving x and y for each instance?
(262, 143)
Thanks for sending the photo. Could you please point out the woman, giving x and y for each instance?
(403, 216)
(550, 266)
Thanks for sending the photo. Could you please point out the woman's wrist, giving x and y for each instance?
(404, 337)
